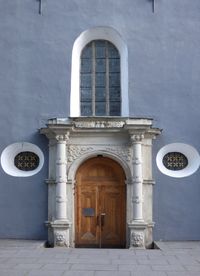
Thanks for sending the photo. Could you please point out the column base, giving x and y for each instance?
(59, 233)
(137, 234)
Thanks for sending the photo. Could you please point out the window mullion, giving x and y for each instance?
(93, 77)
(107, 82)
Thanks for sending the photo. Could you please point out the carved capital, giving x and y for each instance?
(62, 138)
(136, 138)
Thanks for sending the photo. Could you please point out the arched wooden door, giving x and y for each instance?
(100, 204)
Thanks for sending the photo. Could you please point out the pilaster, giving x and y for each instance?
(61, 225)
(137, 226)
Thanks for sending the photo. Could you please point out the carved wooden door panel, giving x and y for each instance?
(100, 204)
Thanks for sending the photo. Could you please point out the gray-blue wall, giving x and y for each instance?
(164, 81)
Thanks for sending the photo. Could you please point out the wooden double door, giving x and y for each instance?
(100, 204)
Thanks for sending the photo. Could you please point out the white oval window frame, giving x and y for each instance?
(190, 152)
(8, 156)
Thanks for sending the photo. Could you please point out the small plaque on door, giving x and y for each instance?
(88, 212)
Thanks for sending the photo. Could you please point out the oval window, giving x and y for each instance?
(26, 161)
(22, 159)
(178, 160)
(175, 161)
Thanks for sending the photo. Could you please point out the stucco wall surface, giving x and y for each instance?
(35, 74)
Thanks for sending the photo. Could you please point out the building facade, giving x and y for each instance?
(99, 122)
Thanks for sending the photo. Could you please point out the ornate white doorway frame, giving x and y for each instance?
(125, 140)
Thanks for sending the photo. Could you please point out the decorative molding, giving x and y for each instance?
(137, 239)
(50, 181)
(148, 182)
(99, 124)
(136, 180)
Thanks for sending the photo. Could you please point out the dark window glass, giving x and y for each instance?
(100, 80)
(86, 94)
(100, 108)
(115, 94)
(100, 94)
(175, 161)
(86, 65)
(86, 80)
(26, 161)
(86, 108)
(100, 65)
(114, 108)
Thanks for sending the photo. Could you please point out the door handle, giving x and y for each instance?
(102, 218)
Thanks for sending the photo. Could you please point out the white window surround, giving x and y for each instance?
(190, 152)
(8, 156)
(104, 33)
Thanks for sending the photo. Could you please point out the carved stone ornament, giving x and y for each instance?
(125, 153)
(76, 151)
(62, 137)
(60, 239)
(100, 124)
(136, 138)
(137, 239)
(136, 199)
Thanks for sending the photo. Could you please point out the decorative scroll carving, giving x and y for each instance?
(100, 124)
(137, 239)
(124, 153)
(75, 151)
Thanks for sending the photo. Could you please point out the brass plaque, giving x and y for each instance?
(175, 161)
(88, 212)
(26, 161)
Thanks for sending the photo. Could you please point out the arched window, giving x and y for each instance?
(100, 79)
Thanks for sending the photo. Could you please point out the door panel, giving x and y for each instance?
(100, 204)
(87, 198)
(114, 221)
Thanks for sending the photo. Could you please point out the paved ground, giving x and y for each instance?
(31, 258)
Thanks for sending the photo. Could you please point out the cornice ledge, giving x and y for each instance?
(153, 132)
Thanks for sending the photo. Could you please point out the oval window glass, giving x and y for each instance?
(26, 161)
(175, 161)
